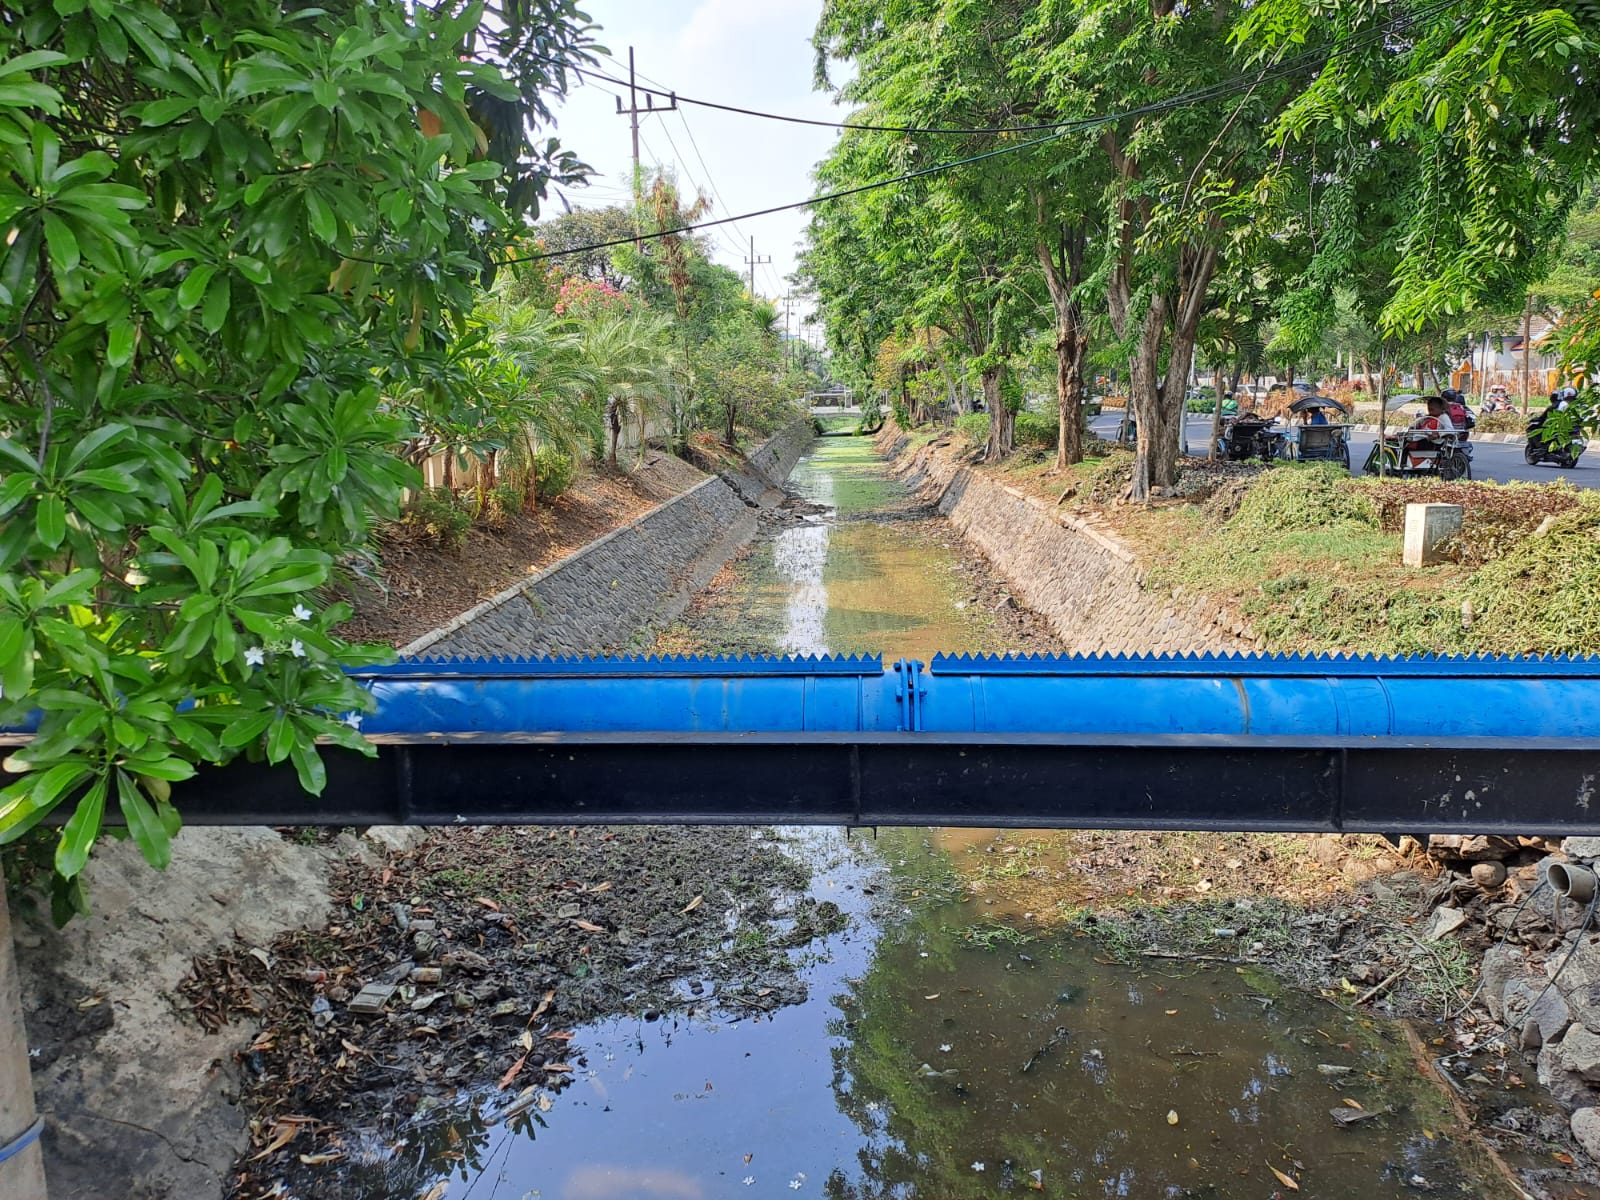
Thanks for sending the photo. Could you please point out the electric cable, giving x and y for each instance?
(1376, 33)
(1221, 88)
(1238, 83)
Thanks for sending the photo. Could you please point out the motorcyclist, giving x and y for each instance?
(1542, 446)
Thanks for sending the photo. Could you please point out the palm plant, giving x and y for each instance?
(627, 358)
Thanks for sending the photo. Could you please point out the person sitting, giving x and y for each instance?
(1435, 423)
(1317, 416)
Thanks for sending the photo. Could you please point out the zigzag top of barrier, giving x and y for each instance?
(629, 665)
(1229, 663)
(1255, 663)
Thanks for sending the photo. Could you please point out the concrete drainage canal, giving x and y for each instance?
(888, 1029)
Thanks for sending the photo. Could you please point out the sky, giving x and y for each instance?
(749, 53)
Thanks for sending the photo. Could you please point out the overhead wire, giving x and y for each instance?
(658, 89)
(1214, 91)
(1238, 83)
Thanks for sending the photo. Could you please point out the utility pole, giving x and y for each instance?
(787, 356)
(632, 113)
(753, 262)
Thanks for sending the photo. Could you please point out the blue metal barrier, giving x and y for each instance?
(1478, 745)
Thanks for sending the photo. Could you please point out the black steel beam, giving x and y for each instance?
(1039, 781)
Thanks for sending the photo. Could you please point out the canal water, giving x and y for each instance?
(944, 1052)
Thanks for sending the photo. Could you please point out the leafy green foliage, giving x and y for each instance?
(1302, 497)
(553, 472)
(230, 231)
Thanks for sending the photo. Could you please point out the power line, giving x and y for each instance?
(1290, 64)
(1214, 91)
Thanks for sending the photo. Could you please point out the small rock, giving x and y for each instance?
(1579, 1052)
(465, 960)
(1581, 847)
(1565, 1088)
(1445, 920)
(463, 1002)
(1490, 873)
(568, 911)
(1539, 1023)
(1586, 1129)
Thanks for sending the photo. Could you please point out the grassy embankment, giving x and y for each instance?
(1312, 558)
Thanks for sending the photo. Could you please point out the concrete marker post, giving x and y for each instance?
(1428, 528)
(21, 1175)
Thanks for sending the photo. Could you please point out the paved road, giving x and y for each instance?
(1499, 462)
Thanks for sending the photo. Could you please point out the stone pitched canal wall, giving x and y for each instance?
(618, 590)
(1082, 579)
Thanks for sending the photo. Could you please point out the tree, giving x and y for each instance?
(566, 234)
(229, 228)
(1487, 123)
(949, 243)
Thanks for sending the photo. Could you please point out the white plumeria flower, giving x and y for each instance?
(297, 649)
(302, 613)
(748, 1180)
(352, 719)
(479, 225)
(794, 1185)
(977, 1166)
(945, 1049)
(254, 656)
(872, 1106)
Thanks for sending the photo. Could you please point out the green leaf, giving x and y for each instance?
(77, 838)
(20, 458)
(195, 284)
(32, 60)
(155, 113)
(64, 256)
(171, 769)
(14, 489)
(120, 339)
(246, 728)
(51, 521)
(148, 833)
(218, 297)
(326, 93)
(99, 439)
(308, 765)
(323, 223)
(280, 738)
(112, 479)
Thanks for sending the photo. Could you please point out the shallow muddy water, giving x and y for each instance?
(945, 1052)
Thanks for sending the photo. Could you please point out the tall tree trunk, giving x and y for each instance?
(1527, 354)
(1063, 273)
(1002, 421)
(614, 419)
(1071, 350)
(1216, 410)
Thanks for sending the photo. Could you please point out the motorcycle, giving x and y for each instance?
(1541, 448)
